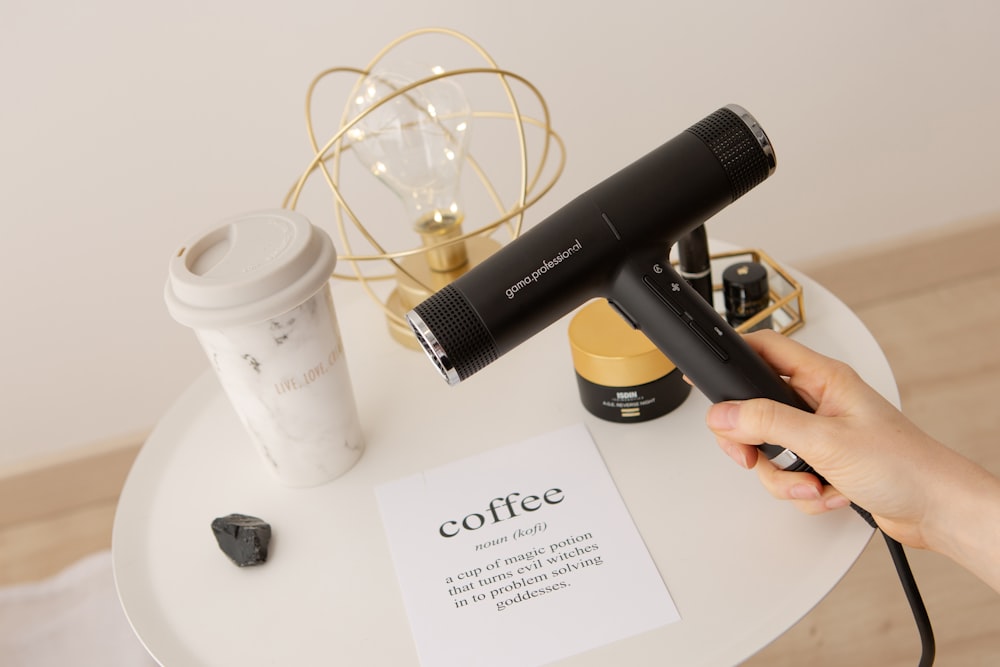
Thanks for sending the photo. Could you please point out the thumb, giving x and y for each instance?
(761, 420)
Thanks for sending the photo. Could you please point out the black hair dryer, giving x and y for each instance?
(614, 241)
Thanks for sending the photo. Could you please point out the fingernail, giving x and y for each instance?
(837, 502)
(804, 492)
(724, 416)
(744, 459)
(739, 454)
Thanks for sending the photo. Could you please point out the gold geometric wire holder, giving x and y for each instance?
(327, 161)
(786, 304)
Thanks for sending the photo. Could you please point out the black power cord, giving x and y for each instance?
(927, 647)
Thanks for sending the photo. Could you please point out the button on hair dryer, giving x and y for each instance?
(614, 241)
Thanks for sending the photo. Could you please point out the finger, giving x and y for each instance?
(806, 369)
(786, 485)
(804, 490)
(761, 420)
(834, 499)
(783, 354)
(830, 500)
(744, 455)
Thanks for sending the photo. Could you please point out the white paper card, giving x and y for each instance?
(522, 555)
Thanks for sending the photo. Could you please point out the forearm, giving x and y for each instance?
(964, 519)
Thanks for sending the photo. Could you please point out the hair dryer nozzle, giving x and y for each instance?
(450, 331)
(739, 143)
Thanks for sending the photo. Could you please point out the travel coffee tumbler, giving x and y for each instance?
(256, 292)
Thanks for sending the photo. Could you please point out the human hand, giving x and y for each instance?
(862, 445)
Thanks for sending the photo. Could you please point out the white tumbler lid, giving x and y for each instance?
(252, 267)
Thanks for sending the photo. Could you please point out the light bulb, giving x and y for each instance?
(415, 143)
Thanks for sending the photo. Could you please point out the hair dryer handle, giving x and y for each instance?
(653, 298)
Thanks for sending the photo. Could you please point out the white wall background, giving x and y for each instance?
(125, 127)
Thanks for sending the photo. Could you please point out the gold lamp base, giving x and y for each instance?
(409, 293)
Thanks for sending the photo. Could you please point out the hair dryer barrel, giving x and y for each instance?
(575, 254)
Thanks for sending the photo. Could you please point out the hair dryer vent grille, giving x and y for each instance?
(739, 151)
(461, 345)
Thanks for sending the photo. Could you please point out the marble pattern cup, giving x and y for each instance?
(256, 292)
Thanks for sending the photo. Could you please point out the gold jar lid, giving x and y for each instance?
(608, 352)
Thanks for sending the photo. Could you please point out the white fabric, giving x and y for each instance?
(72, 618)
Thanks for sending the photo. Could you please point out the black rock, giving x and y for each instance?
(243, 538)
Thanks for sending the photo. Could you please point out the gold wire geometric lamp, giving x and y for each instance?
(410, 129)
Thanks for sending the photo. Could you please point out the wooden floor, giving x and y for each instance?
(933, 303)
(56, 510)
